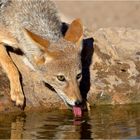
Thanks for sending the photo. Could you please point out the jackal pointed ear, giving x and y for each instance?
(39, 41)
(75, 31)
(44, 55)
(43, 44)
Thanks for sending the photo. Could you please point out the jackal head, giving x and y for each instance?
(59, 63)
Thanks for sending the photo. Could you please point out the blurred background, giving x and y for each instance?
(99, 14)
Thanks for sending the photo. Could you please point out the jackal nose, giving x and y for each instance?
(78, 103)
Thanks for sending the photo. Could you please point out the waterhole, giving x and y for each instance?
(104, 122)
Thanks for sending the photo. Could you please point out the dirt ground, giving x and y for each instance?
(99, 14)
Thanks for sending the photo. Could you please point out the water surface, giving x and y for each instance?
(105, 122)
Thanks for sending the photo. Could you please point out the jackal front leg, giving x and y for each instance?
(13, 75)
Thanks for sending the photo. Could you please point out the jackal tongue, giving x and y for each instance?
(77, 111)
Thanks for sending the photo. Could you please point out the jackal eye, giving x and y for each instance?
(79, 76)
(61, 78)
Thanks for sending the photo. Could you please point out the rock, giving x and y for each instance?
(115, 68)
(113, 77)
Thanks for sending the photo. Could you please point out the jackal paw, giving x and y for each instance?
(18, 97)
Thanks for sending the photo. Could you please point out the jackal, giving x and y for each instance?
(35, 27)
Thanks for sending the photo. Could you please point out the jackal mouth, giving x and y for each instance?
(69, 106)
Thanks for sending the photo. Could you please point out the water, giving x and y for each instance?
(105, 122)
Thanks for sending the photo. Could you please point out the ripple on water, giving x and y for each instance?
(104, 122)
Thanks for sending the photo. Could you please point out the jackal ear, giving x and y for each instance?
(43, 44)
(75, 31)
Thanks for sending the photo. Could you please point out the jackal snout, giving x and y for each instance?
(72, 92)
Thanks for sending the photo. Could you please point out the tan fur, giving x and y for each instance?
(42, 43)
(40, 60)
(7, 38)
(72, 90)
(75, 31)
(13, 75)
(41, 40)
(9, 67)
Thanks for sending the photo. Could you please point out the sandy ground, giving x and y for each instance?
(99, 14)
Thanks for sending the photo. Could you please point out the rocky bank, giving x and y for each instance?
(111, 73)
